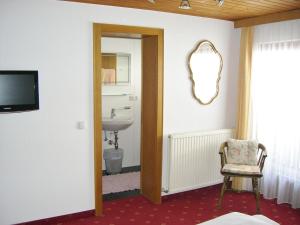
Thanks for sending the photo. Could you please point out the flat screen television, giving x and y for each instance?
(19, 91)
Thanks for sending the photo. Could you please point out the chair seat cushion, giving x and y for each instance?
(241, 169)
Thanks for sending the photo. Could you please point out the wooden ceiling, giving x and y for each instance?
(233, 10)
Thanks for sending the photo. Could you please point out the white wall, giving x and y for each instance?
(129, 139)
(46, 163)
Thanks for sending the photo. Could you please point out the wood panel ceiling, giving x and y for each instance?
(232, 10)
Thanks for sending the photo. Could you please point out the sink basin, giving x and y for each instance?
(116, 124)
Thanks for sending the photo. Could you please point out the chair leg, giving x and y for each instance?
(224, 187)
(256, 192)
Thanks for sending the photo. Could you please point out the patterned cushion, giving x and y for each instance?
(241, 169)
(242, 152)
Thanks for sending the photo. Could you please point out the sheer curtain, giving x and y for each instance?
(275, 92)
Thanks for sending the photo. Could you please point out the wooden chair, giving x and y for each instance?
(237, 170)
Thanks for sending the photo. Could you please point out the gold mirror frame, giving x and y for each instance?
(201, 43)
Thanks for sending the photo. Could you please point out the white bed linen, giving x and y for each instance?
(266, 219)
(236, 218)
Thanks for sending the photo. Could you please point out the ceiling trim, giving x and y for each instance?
(242, 13)
(270, 18)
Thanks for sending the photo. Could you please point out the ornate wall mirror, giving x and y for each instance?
(205, 65)
(115, 69)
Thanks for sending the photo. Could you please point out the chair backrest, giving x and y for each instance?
(242, 152)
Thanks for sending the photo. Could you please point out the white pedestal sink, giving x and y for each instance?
(116, 123)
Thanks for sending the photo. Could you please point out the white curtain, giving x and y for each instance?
(275, 92)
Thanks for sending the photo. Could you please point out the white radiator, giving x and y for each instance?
(194, 160)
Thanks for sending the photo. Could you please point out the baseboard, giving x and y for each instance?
(61, 219)
(131, 169)
(123, 194)
(125, 170)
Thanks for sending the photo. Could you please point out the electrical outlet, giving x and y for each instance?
(81, 125)
(133, 98)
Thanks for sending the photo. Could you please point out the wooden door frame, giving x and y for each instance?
(111, 30)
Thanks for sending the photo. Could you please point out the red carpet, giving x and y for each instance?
(187, 208)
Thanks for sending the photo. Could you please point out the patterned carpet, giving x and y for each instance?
(188, 208)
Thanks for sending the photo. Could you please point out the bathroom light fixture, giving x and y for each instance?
(151, 1)
(185, 4)
(220, 2)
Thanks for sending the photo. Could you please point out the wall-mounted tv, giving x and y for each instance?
(19, 90)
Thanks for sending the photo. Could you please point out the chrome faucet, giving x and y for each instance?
(112, 113)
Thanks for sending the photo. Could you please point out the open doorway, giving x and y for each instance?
(151, 107)
(121, 116)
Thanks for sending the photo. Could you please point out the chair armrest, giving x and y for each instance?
(263, 148)
(223, 154)
(262, 157)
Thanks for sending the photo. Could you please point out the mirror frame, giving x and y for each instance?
(219, 73)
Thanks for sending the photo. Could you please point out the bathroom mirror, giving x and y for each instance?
(115, 69)
(205, 65)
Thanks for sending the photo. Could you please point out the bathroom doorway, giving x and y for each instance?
(151, 107)
(121, 116)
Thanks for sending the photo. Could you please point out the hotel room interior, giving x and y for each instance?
(155, 112)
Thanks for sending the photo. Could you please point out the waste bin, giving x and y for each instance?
(113, 160)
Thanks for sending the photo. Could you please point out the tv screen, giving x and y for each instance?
(18, 91)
